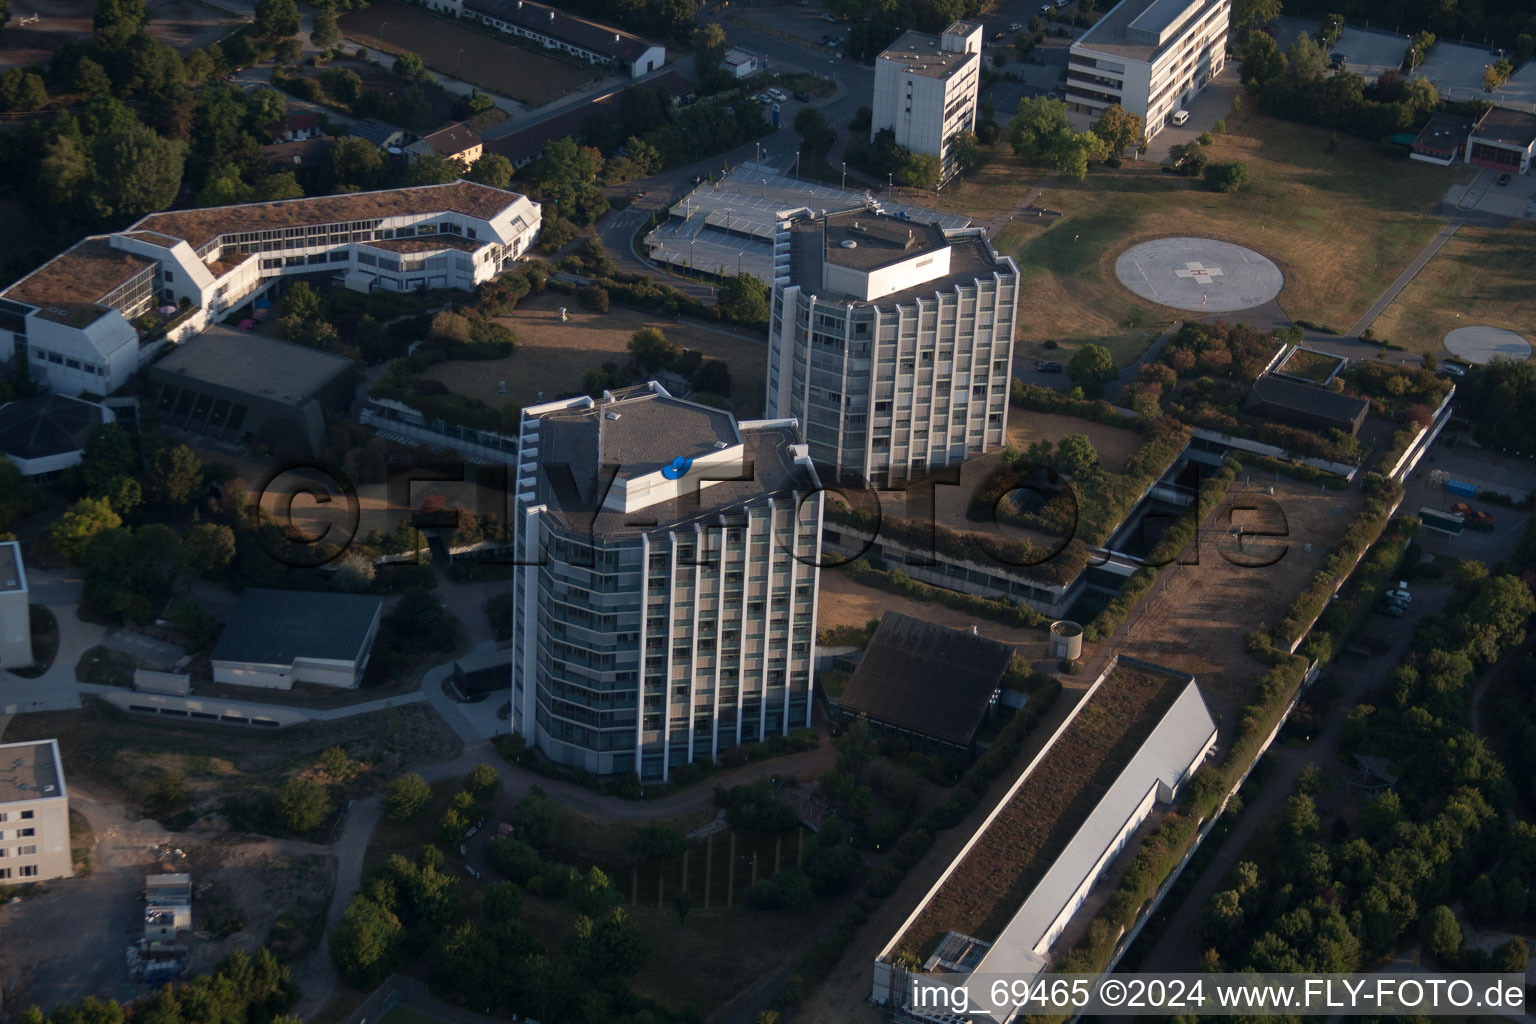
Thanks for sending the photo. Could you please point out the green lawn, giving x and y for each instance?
(1341, 225)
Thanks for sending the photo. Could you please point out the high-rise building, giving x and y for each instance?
(926, 87)
(34, 813)
(891, 341)
(665, 607)
(1149, 56)
(15, 612)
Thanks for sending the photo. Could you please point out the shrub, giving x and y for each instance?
(406, 796)
(594, 297)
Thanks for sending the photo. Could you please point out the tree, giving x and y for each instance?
(622, 945)
(412, 68)
(22, 90)
(482, 781)
(535, 818)
(1035, 127)
(813, 130)
(301, 806)
(71, 534)
(1250, 13)
(433, 169)
(503, 902)
(173, 475)
(492, 169)
(344, 85)
(278, 185)
(967, 152)
(744, 300)
(592, 894)
(327, 30)
(276, 19)
(1090, 367)
(145, 174)
(1226, 175)
(651, 349)
(117, 21)
(1119, 130)
(708, 53)
(170, 793)
(1306, 63)
(683, 904)
(1440, 933)
(208, 546)
(353, 164)
(1075, 454)
(922, 170)
(405, 796)
(1298, 820)
(364, 942)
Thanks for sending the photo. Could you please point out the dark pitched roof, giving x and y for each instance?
(1307, 398)
(374, 131)
(453, 140)
(33, 428)
(525, 143)
(273, 627)
(926, 678)
(545, 20)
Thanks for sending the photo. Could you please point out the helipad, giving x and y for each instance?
(1481, 345)
(1199, 274)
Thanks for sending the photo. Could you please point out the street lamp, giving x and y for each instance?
(845, 174)
(382, 26)
(797, 163)
(890, 185)
(738, 264)
(458, 63)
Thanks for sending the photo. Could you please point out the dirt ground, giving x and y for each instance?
(551, 356)
(184, 24)
(842, 602)
(1197, 615)
(1114, 444)
(505, 68)
(67, 940)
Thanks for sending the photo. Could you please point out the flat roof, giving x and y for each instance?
(577, 443)
(923, 54)
(1140, 29)
(13, 571)
(269, 368)
(549, 21)
(927, 678)
(31, 771)
(1443, 132)
(52, 424)
(1181, 736)
(200, 226)
(275, 627)
(869, 241)
(81, 274)
(970, 259)
(1309, 398)
(1508, 127)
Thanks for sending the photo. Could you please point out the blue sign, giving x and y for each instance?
(678, 468)
(775, 115)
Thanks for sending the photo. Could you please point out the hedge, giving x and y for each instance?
(1296, 471)
(1033, 396)
(1008, 612)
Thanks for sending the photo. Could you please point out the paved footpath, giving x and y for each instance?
(1408, 274)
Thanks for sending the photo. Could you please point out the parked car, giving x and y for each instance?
(1048, 366)
(801, 96)
(779, 94)
(999, 36)
(1047, 8)
(698, 179)
(1180, 117)
(1452, 370)
(829, 16)
(1393, 610)
(1014, 26)
(763, 98)
(1341, 58)
(1503, 179)
(833, 42)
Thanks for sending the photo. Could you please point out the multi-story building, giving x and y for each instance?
(665, 606)
(891, 342)
(34, 813)
(926, 87)
(1149, 56)
(15, 612)
(88, 318)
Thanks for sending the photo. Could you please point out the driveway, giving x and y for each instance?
(59, 592)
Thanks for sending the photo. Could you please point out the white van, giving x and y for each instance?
(1179, 117)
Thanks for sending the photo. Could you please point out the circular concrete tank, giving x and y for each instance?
(1066, 640)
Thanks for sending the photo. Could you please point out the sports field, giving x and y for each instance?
(504, 67)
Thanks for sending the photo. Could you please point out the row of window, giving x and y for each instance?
(23, 816)
(25, 871)
(42, 355)
(30, 850)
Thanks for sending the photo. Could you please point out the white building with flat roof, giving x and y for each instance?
(1149, 56)
(15, 612)
(926, 88)
(34, 813)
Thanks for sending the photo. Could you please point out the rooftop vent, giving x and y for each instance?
(721, 445)
(849, 243)
(612, 415)
(551, 15)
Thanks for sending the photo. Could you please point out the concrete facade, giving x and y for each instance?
(1149, 56)
(34, 813)
(665, 609)
(926, 88)
(15, 611)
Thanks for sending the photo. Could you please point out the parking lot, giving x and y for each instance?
(1457, 70)
(1515, 198)
(1490, 470)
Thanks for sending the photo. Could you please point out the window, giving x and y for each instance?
(25, 815)
(25, 833)
(27, 871)
(27, 851)
(5, 873)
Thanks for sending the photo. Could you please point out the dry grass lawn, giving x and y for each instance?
(1115, 445)
(551, 356)
(1341, 225)
(1479, 278)
(842, 602)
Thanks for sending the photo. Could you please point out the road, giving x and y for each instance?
(1179, 947)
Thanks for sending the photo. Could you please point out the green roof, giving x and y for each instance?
(275, 627)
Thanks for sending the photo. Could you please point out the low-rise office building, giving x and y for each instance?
(1504, 140)
(1149, 56)
(665, 607)
(458, 142)
(891, 342)
(926, 88)
(554, 29)
(34, 813)
(90, 317)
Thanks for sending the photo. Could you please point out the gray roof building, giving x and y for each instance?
(1305, 405)
(378, 132)
(47, 433)
(280, 637)
(926, 680)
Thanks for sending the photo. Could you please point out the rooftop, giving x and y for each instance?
(1308, 398)
(970, 258)
(867, 241)
(589, 35)
(200, 226)
(34, 428)
(453, 140)
(1141, 29)
(375, 131)
(1444, 132)
(13, 573)
(274, 627)
(30, 771)
(80, 275)
(299, 152)
(524, 144)
(922, 54)
(427, 243)
(1510, 127)
(279, 371)
(926, 678)
(580, 445)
